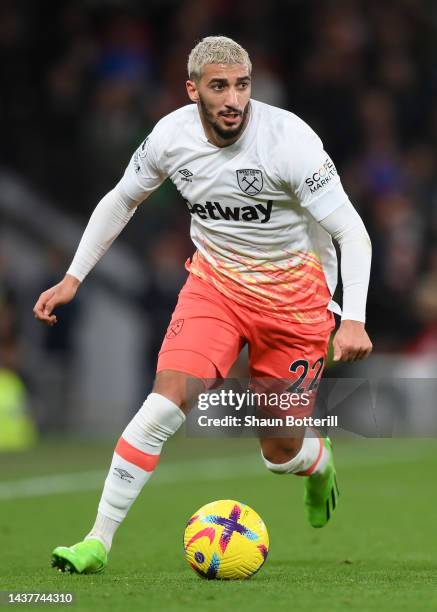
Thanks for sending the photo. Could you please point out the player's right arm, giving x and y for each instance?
(62, 293)
(142, 176)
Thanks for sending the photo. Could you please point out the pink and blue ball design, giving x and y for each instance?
(231, 526)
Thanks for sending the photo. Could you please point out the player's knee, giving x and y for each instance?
(180, 388)
(156, 420)
(278, 452)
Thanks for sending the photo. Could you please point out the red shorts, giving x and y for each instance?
(207, 332)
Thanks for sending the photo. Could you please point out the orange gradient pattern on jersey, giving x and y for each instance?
(293, 289)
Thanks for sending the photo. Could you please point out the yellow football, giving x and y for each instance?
(226, 540)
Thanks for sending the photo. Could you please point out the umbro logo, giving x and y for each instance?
(124, 474)
(186, 175)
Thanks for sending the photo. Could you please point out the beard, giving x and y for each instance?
(223, 133)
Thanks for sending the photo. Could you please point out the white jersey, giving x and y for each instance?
(254, 205)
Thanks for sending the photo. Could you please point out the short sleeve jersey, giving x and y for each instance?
(254, 206)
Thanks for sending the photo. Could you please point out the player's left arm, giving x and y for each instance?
(345, 225)
(314, 180)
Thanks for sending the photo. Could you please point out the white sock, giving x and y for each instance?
(104, 529)
(134, 460)
(311, 459)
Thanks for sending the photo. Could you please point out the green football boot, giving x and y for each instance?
(87, 557)
(321, 492)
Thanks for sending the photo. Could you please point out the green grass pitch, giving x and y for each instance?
(378, 553)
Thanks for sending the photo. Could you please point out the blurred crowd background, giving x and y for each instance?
(84, 81)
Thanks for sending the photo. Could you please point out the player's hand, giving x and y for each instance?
(62, 293)
(351, 342)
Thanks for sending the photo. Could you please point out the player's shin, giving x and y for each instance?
(134, 460)
(310, 459)
(315, 460)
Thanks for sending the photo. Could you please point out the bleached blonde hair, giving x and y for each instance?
(216, 50)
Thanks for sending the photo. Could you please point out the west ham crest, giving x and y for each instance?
(250, 181)
(174, 329)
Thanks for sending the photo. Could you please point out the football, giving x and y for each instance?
(226, 540)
